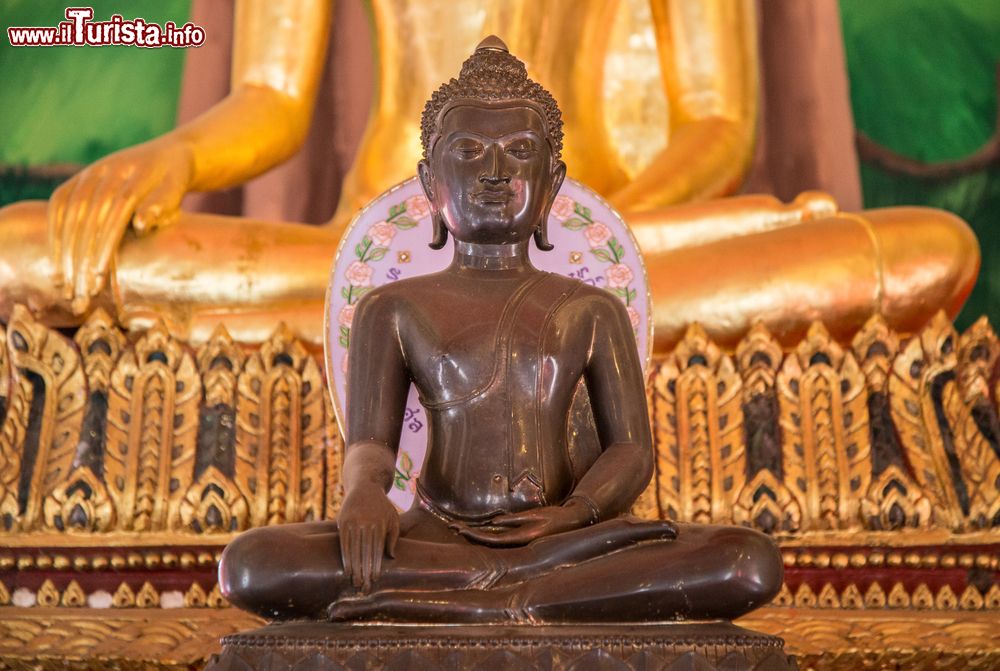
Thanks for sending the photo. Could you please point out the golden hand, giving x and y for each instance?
(89, 214)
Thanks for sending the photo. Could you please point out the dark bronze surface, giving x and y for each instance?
(507, 528)
(662, 647)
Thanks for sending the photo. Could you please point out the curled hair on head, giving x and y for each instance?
(492, 74)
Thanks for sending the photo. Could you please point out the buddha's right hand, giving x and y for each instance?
(89, 214)
(369, 529)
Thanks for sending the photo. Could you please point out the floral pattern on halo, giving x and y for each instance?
(605, 247)
(372, 249)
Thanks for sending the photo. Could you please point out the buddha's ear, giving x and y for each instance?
(542, 232)
(440, 235)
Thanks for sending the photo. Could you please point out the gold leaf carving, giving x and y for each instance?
(922, 597)
(334, 454)
(898, 596)
(39, 354)
(971, 599)
(707, 425)
(81, 503)
(971, 411)
(875, 596)
(828, 597)
(851, 597)
(664, 416)
(824, 420)
(875, 346)
(946, 599)
(74, 597)
(911, 385)
(17, 394)
(214, 504)
(280, 422)
(48, 595)
(100, 343)
(805, 597)
(215, 598)
(147, 596)
(152, 429)
(992, 599)
(4, 595)
(784, 597)
(195, 597)
(123, 597)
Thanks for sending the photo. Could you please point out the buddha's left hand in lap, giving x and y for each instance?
(521, 528)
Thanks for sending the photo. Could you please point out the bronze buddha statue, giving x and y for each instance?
(507, 526)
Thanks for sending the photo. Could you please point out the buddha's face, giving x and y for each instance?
(491, 174)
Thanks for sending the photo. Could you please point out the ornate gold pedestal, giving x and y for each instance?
(125, 467)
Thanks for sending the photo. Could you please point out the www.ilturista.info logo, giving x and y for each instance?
(80, 30)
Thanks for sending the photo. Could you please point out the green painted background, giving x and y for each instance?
(922, 84)
(77, 104)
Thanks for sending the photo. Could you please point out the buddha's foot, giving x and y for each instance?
(466, 606)
(580, 545)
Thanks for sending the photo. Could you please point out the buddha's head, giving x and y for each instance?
(492, 140)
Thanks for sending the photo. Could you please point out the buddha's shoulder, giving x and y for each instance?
(590, 296)
(402, 293)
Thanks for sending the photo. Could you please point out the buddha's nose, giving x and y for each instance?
(494, 173)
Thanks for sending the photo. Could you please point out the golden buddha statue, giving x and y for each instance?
(114, 236)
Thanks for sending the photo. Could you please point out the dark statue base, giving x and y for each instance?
(311, 646)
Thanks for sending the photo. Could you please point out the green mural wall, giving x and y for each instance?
(72, 105)
(922, 76)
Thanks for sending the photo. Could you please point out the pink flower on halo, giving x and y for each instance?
(417, 207)
(562, 207)
(597, 234)
(382, 233)
(346, 315)
(359, 274)
(343, 364)
(619, 276)
(633, 316)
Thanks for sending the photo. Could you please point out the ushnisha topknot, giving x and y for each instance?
(491, 74)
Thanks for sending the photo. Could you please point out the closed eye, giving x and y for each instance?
(521, 149)
(467, 148)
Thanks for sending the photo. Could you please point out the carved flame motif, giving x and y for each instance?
(765, 502)
(974, 415)
(920, 373)
(43, 420)
(891, 434)
(213, 502)
(14, 420)
(82, 502)
(152, 427)
(280, 421)
(703, 467)
(894, 499)
(824, 422)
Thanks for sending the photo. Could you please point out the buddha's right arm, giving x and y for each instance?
(277, 62)
(378, 382)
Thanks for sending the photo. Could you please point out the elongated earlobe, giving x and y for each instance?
(542, 231)
(440, 231)
(542, 236)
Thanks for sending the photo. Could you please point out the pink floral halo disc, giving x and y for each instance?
(388, 240)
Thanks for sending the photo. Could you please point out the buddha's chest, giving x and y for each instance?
(524, 347)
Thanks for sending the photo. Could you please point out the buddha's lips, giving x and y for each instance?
(493, 196)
